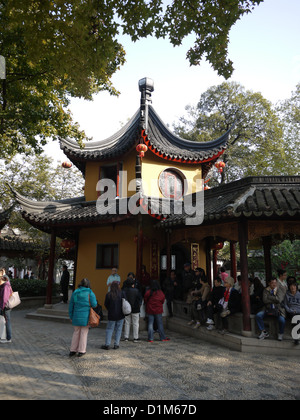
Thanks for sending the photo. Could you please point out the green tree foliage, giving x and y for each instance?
(38, 179)
(289, 114)
(58, 49)
(210, 22)
(256, 145)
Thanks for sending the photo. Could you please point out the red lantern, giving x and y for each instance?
(67, 244)
(220, 165)
(141, 149)
(66, 165)
(217, 246)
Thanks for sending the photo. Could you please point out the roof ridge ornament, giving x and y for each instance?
(146, 87)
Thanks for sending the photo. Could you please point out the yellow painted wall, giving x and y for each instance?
(86, 260)
(202, 255)
(152, 166)
(124, 237)
(92, 174)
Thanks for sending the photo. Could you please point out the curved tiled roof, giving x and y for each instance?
(158, 138)
(252, 197)
(163, 141)
(106, 149)
(65, 215)
(16, 244)
(258, 197)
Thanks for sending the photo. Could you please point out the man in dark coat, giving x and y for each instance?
(187, 280)
(134, 297)
(64, 283)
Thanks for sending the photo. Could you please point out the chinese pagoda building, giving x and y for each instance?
(137, 214)
(116, 236)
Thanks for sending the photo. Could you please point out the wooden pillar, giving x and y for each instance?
(51, 268)
(267, 257)
(233, 260)
(139, 249)
(169, 262)
(208, 262)
(215, 267)
(75, 260)
(243, 241)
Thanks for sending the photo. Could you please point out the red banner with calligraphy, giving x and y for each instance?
(195, 256)
(154, 260)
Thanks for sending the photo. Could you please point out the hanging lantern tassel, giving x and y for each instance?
(141, 149)
(220, 165)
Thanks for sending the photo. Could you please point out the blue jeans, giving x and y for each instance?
(260, 321)
(8, 324)
(158, 319)
(111, 327)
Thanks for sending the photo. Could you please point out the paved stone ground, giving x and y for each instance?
(36, 366)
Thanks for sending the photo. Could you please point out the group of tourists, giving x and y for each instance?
(84, 298)
(208, 306)
(280, 299)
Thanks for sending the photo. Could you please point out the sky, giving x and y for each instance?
(265, 50)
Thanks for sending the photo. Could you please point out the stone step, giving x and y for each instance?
(56, 316)
(235, 341)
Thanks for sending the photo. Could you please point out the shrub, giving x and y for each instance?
(32, 287)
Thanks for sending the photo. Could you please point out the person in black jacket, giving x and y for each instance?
(216, 295)
(64, 283)
(113, 304)
(187, 280)
(256, 299)
(134, 297)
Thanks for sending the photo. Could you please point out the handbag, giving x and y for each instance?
(13, 301)
(94, 318)
(273, 312)
(126, 307)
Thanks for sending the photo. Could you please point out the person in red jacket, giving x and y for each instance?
(154, 299)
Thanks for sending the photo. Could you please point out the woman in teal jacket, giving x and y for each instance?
(79, 310)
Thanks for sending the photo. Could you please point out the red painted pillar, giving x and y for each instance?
(215, 265)
(233, 260)
(51, 268)
(169, 255)
(208, 262)
(243, 241)
(267, 257)
(139, 249)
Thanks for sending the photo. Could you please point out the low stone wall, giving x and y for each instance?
(35, 302)
(235, 322)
